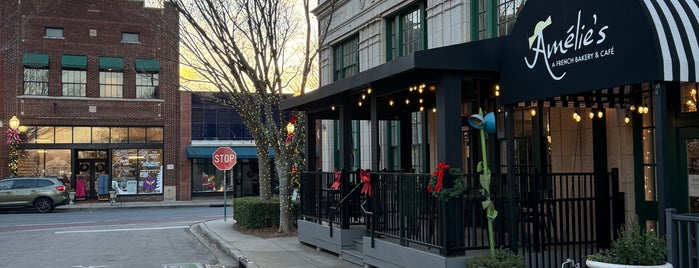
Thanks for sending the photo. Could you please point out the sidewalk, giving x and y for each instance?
(248, 250)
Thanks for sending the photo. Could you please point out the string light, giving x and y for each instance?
(592, 114)
(390, 102)
(600, 114)
(497, 90)
(532, 112)
(422, 108)
(407, 101)
(434, 110)
(368, 91)
(332, 107)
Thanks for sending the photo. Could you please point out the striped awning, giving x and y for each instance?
(568, 47)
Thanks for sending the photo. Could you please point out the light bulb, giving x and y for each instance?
(592, 115)
(600, 114)
(533, 112)
(390, 102)
(627, 119)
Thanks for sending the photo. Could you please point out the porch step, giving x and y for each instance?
(353, 253)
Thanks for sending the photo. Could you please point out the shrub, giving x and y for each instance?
(253, 213)
(503, 258)
(633, 247)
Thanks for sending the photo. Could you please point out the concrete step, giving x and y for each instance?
(352, 255)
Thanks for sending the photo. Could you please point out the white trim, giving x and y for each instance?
(677, 38)
(662, 39)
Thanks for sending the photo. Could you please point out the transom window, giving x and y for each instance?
(406, 32)
(345, 58)
(129, 37)
(51, 32)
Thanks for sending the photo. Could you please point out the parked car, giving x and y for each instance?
(42, 193)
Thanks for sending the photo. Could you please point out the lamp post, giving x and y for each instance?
(13, 141)
(485, 123)
(290, 128)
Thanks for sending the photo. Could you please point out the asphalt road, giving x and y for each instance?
(135, 237)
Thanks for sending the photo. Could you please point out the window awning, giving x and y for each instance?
(566, 47)
(147, 66)
(247, 152)
(35, 60)
(74, 62)
(108, 63)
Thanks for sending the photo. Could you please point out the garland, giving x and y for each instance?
(436, 181)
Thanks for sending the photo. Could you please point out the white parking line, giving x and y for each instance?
(122, 230)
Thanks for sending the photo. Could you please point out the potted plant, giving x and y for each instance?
(633, 248)
(503, 258)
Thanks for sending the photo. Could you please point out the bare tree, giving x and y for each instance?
(252, 53)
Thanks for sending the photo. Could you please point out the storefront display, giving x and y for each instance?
(138, 171)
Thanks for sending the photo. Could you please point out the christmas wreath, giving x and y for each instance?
(437, 181)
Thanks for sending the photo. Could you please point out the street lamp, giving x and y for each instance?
(14, 123)
(290, 128)
(13, 141)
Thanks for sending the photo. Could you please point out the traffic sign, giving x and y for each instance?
(224, 158)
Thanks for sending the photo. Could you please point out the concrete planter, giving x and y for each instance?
(595, 264)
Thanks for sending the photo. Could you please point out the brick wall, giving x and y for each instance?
(94, 28)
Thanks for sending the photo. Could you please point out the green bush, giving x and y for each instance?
(503, 258)
(633, 247)
(252, 213)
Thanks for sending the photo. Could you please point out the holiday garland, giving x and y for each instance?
(437, 181)
(13, 141)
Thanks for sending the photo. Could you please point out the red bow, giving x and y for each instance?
(366, 179)
(336, 183)
(12, 136)
(441, 167)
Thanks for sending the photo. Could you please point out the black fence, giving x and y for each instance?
(555, 215)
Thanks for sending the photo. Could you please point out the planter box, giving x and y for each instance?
(595, 264)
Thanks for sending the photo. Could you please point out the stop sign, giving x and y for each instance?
(224, 158)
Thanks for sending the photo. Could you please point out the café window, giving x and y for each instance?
(688, 97)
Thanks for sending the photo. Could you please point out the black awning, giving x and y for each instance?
(563, 47)
(479, 56)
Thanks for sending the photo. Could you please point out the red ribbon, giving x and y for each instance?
(441, 167)
(12, 136)
(336, 183)
(366, 179)
(289, 137)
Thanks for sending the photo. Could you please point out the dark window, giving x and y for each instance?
(51, 32)
(24, 184)
(346, 58)
(508, 10)
(43, 183)
(407, 32)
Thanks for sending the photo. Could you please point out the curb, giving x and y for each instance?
(220, 243)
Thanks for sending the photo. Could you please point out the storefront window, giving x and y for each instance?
(137, 135)
(138, 171)
(688, 95)
(82, 135)
(155, 134)
(42, 162)
(648, 135)
(44, 135)
(100, 135)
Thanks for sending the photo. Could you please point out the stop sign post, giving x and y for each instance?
(224, 158)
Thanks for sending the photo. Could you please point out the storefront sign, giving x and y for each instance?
(566, 47)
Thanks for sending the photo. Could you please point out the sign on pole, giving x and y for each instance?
(224, 158)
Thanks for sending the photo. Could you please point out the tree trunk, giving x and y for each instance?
(264, 172)
(283, 169)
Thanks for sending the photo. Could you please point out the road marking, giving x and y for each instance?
(122, 230)
(54, 224)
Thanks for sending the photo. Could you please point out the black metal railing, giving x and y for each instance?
(555, 214)
(681, 236)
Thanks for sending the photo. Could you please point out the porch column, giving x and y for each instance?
(346, 158)
(449, 139)
(665, 155)
(374, 135)
(602, 181)
(511, 179)
(311, 154)
(406, 142)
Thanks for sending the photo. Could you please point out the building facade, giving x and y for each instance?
(95, 85)
(590, 106)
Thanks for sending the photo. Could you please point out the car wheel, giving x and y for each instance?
(43, 205)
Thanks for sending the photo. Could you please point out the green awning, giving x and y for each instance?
(147, 66)
(241, 152)
(74, 62)
(108, 63)
(36, 60)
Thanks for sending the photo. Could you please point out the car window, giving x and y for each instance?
(43, 183)
(5, 185)
(24, 184)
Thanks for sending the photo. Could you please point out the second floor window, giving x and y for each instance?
(346, 59)
(74, 76)
(406, 32)
(147, 74)
(111, 77)
(50, 32)
(129, 37)
(36, 74)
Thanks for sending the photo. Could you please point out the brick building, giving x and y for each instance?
(95, 87)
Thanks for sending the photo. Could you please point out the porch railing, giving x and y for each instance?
(555, 214)
(681, 235)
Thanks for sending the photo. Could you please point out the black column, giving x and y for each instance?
(449, 139)
(311, 157)
(346, 158)
(665, 155)
(602, 181)
(511, 179)
(406, 142)
(374, 135)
